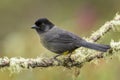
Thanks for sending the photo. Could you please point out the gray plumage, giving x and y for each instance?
(58, 40)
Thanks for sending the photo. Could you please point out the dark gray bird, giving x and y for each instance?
(59, 41)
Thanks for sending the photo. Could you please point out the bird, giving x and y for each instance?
(58, 40)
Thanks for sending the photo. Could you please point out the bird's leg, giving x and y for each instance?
(55, 57)
(68, 61)
(69, 57)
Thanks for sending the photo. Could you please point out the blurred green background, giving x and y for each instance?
(81, 17)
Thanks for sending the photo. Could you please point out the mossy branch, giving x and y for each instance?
(81, 56)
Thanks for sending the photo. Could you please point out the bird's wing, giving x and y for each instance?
(63, 38)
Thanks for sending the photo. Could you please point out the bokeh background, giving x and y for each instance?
(81, 17)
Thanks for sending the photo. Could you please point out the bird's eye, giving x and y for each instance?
(43, 24)
(42, 27)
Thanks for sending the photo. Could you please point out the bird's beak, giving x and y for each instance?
(34, 27)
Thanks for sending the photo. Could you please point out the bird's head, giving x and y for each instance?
(43, 25)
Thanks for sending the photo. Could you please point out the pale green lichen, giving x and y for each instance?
(100, 32)
(19, 64)
(15, 64)
(115, 45)
(117, 16)
(95, 61)
(3, 60)
(81, 55)
(108, 25)
(115, 48)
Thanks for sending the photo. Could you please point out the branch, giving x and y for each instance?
(105, 28)
(81, 56)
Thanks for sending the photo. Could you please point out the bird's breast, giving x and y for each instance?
(47, 44)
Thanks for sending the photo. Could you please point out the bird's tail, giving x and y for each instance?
(99, 47)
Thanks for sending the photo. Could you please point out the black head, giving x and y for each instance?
(43, 25)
